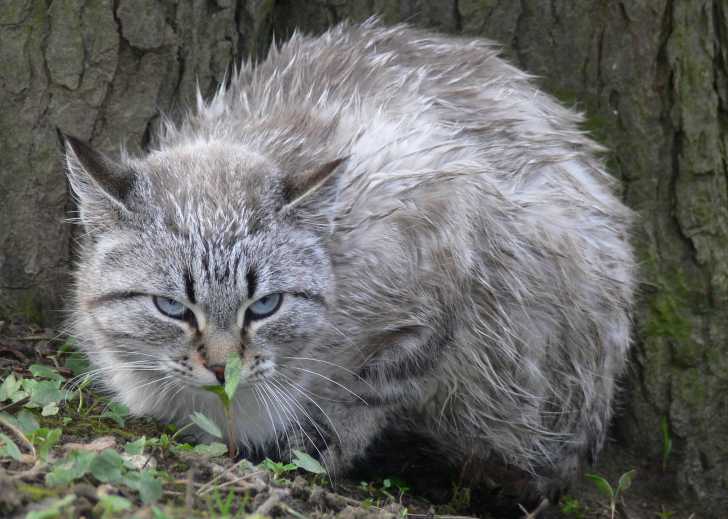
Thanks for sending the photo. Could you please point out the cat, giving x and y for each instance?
(393, 229)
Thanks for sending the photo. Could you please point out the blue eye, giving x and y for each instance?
(265, 306)
(170, 307)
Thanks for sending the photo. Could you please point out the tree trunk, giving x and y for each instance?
(651, 75)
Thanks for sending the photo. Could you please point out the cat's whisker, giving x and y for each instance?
(95, 372)
(270, 417)
(329, 363)
(179, 390)
(137, 387)
(264, 389)
(290, 400)
(342, 386)
(304, 393)
(294, 419)
(129, 352)
(303, 431)
(73, 383)
(313, 394)
(289, 418)
(151, 394)
(259, 401)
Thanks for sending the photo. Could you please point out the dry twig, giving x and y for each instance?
(21, 435)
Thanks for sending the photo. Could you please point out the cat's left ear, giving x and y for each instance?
(313, 187)
(99, 183)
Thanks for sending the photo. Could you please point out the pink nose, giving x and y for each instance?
(219, 372)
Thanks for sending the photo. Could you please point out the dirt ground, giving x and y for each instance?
(160, 476)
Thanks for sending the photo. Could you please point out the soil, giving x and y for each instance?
(401, 478)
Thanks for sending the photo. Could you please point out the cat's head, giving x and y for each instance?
(194, 253)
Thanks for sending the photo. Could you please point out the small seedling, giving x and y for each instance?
(223, 507)
(277, 468)
(614, 494)
(572, 507)
(233, 367)
(385, 491)
(53, 510)
(207, 425)
(117, 412)
(307, 463)
(9, 448)
(112, 505)
(666, 441)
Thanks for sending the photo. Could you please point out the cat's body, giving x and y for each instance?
(449, 251)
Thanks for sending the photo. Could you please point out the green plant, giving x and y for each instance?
(277, 468)
(233, 367)
(223, 507)
(572, 507)
(305, 462)
(112, 505)
(614, 494)
(384, 491)
(460, 500)
(666, 441)
(53, 510)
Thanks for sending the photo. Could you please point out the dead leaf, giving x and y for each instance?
(99, 444)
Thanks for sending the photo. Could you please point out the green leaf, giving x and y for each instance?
(207, 425)
(150, 488)
(400, 485)
(278, 468)
(221, 394)
(158, 514)
(44, 440)
(54, 510)
(625, 481)
(117, 412)
(307, 463)
(114, 504)
(9, 387)
(43, 371)
(75, 466)
(50, 409)
(136, 447)
(77, 363)
(602, 484)
(106, 467)
(182, 447)
(9, 418)
(666, 441)
(8, 447)
(26, 421)
(45, 392)
(211, 450)
(233, 366)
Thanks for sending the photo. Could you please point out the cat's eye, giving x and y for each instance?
(265, 306)
(170, 307)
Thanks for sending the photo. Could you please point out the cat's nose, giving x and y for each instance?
(219, 371)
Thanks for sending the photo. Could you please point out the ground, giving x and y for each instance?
(66, 451)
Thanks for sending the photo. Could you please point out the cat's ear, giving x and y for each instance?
(99, 183)
(308, 187)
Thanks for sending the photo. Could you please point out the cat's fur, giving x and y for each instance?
(452, 253)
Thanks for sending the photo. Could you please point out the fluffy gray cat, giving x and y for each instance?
(394, 229)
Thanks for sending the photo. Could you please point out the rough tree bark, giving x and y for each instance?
(651, 76)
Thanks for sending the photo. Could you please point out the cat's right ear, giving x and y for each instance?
(99, 183)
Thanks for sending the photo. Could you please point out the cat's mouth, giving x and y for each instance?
(195, 371)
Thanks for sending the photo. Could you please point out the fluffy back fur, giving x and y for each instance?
(447, 247)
